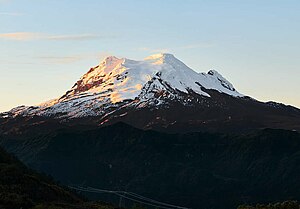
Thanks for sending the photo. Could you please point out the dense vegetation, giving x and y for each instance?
(23, 188)
(282, 205)
(197, 170)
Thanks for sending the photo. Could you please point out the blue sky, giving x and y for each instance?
(46, 45)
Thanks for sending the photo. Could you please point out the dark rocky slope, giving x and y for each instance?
(198, 170)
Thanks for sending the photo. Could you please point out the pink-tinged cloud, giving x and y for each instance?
(28, 36)
(72, 37)
(20, 36)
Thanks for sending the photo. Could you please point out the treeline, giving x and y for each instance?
(24, 188)
(280, 205)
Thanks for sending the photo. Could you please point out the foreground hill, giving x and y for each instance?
(23, 188)
(197, 170)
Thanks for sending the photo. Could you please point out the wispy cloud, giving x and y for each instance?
(11, 14)
(29, 36)
(73, 37)
(61, 60)
(20, 36)
(71, 58)
(55, 59)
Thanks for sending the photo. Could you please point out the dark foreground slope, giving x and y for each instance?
(23, 188)
(198, 170)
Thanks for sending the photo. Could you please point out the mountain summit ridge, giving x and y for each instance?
(116, 80)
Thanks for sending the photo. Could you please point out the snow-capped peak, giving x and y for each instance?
(122, 79)
(116, 80)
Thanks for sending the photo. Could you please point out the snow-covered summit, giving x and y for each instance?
(116, 80)
(123, 79)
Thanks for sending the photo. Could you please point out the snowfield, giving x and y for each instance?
(116, 80)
